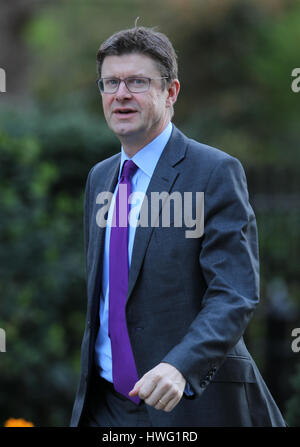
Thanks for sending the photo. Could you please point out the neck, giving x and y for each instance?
(134, 143)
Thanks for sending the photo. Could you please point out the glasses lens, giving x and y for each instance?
(134, 85)
(100, 85)
(108, 85)
(137, 85)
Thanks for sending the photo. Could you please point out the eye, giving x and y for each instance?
(137, 81)
(141, 81)
(110, 82)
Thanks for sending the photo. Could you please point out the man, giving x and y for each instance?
(163, 343)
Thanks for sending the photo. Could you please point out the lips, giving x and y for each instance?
(124, 111)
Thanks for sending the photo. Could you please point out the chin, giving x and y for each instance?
(124, 130)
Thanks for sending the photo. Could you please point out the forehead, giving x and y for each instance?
(128, 65)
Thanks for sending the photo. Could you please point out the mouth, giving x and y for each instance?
(124, 112)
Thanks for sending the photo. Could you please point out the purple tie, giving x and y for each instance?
(123, 364)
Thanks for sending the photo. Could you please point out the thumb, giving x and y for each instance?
(135, 390)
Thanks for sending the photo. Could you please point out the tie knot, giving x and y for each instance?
(129, 168)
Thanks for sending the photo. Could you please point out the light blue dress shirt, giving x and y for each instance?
(146, 160)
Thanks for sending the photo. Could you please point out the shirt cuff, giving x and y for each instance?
(188, 390)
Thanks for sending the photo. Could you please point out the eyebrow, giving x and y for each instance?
(129, 76)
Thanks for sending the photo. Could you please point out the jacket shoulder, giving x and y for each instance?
(201, 151)
(208, 154)
(105, 164)
(203, 157)
(101, 169)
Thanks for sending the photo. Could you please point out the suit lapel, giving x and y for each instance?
(162, 180)
(99, 233)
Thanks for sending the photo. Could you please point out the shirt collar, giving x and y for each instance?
(147, 157)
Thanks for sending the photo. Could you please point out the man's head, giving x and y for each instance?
(144, 41)
(138, 53)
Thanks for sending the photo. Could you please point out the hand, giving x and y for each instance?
(162, 387)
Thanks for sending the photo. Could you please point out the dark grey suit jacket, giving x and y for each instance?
(189, 299)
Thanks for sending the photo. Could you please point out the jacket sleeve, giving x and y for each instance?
(86, 220)
(229, 262)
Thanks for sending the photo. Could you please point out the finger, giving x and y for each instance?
(162, 394)
(171, 404)
(162, 403)
(159, 398)
(168, 400)
(135, 390)
(146, 389)
(145, 385)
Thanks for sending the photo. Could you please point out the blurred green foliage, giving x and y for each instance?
(235, 62)
(42, 276)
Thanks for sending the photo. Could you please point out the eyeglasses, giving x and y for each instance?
(134, 84)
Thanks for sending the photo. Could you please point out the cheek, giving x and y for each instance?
(159, 102)
(105, 106)
(152, 106)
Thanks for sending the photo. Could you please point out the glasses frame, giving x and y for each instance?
(124, 80)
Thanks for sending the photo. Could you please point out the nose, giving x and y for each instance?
(123, 91)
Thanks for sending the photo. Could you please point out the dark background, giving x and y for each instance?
(235, 63)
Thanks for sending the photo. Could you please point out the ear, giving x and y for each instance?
(173, 89)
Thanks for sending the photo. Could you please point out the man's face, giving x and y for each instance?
(148, 112)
